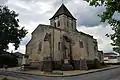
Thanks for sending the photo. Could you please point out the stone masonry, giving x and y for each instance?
(59, 45)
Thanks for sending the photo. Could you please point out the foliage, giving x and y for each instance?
(10, 30)
(112, 7)
(8, 59)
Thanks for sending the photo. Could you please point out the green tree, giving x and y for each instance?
(10, 30)
(112, 7)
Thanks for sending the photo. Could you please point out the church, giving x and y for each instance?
(60, 46)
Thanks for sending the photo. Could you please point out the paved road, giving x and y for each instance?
(113, 74)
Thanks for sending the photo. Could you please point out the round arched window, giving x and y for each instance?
(58, 23)
(55, 24)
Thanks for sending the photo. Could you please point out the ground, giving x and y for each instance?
(8, 77)
(112, 74)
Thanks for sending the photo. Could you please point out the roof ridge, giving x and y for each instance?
(63, 10)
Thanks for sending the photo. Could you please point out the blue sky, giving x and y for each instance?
(35, 12)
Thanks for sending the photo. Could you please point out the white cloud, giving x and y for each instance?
(2, 2)
(85, 14)
(11, 47)
(35, 12)
(99, 33)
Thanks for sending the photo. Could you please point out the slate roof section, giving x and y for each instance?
(63, 10)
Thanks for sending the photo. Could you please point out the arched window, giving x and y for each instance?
(58, 23)
(47, 37)
(55, 24)
(59, 46)
(40, 46)
(81, 44)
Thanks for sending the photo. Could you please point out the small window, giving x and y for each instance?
(81, 44)
(58, 23)
(40, 46)
(58, 45)
(55, 24)
(47, 37)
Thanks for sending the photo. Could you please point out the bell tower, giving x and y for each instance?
(63, 19)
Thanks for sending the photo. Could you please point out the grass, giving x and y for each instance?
(7, 78)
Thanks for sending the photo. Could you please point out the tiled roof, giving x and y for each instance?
(63, 10)
(110, 54)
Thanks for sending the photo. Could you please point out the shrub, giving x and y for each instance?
(96, 63)
(93, 64)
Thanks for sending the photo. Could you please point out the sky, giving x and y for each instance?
(35, 12)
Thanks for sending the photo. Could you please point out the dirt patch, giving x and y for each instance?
(2, 77)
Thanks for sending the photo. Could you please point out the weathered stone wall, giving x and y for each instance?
(57, 54)
(47, 43)
(63, 22)
(90, 45)
(33, 48)
(54, 50)
(101, 56)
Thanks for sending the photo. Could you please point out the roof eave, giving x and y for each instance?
(61, 14)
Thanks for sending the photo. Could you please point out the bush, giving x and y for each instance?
(90, 64)
(96, 64)
(93, 64)
(8, 59)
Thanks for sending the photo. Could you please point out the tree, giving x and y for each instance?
(8, 59)
(10, 30)
(112, 7)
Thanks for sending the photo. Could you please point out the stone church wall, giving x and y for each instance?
(52, 45)
(37, 48)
